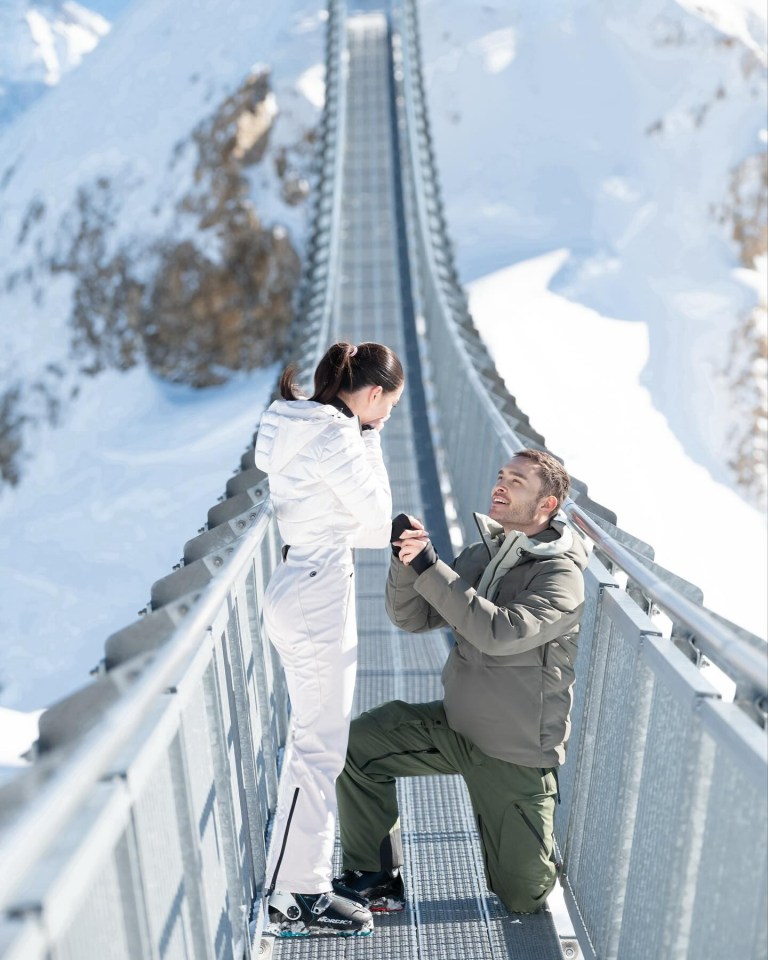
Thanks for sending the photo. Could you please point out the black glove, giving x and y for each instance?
(401, 522)
(424, 560)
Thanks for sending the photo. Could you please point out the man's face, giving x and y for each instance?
(516, 496)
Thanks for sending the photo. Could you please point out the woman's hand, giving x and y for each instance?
(377, 424)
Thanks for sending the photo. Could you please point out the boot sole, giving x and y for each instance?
(287, 935)
(272, 930)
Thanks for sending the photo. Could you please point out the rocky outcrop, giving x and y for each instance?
(212, 294)
(746, 367)
(203, 319)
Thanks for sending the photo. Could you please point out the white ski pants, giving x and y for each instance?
(309, 612)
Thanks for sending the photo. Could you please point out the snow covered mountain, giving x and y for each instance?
(633, 135)
(39, 43)
(606, 161)
(152, 206)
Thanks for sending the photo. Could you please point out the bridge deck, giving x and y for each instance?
(450, 913)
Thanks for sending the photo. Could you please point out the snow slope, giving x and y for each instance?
(106, 511)
(39, 43)
(699, 528)
(618, 131)
(585, 233)
(111, 495)
(119, 120)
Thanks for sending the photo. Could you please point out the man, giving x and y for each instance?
(513, 600)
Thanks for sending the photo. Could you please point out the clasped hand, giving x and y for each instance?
(412, 541)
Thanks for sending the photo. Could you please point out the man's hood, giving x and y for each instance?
(288, 426)
(560, 538)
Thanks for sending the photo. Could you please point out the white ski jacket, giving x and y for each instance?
(327, 480)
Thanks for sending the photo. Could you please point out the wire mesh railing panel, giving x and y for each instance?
(229, 746)
(585, 695)
(205, 821)
(674, 781)
(82, 886)
(619, 732)
(95, 928)
(163, 880)
(730, 892)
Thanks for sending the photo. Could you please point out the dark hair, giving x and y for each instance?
(554, 478)
(346, 367)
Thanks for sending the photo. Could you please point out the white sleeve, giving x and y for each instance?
(354, 469)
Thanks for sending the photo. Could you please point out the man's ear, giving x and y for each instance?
(550, 504)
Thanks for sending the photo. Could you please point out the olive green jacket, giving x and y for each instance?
(508, 680)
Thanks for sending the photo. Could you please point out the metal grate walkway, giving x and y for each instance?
(451, 915)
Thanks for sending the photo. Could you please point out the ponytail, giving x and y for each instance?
(287, 386)
(347, 367)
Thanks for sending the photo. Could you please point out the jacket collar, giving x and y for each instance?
(554, 540)
(506, 551)
(340, 405)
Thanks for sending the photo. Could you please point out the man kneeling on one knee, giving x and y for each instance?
(513, 601)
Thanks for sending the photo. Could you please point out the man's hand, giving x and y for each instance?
(400, 524)
(411, 543)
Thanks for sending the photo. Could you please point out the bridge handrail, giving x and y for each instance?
(313, 319)
(664, 796)
(32, 831)
(39, 803)
(716, 641)
(744, 662)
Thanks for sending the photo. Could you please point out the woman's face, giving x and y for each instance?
(374, 403)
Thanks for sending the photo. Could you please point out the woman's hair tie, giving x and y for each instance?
(352, 351)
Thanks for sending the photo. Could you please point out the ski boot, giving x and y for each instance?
(313, 914)
(383, 891)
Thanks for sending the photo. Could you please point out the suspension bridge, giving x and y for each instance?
(140, 831)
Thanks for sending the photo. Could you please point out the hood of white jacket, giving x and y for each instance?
(287, 426)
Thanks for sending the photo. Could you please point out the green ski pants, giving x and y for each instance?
(513, 805)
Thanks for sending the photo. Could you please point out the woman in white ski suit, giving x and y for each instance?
(330, 491)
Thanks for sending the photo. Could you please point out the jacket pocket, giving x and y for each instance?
(531, 827)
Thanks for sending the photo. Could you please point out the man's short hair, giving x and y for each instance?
(555, 481)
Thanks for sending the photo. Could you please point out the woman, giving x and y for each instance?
(331, 493)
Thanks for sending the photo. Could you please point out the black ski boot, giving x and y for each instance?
(313, 914)
(383, 891)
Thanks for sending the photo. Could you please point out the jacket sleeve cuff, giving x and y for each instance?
(424, 560)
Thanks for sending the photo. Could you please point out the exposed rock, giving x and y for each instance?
(747, 210)
(197, 317)
(204, 316)
(205, 319)
(212, 296)
(745, 369)
(11, 436)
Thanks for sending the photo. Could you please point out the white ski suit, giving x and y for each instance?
(331, 493)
